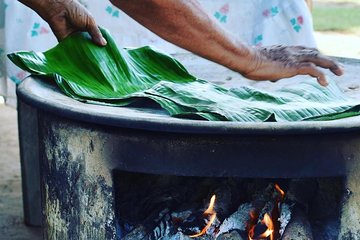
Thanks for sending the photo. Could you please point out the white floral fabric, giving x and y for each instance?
(257, 22)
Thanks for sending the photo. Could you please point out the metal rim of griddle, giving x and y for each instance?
(47, 97)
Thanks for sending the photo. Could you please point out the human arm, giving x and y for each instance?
(66, 17)
(185, 23)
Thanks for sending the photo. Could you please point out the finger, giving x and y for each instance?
(61, 35)
(57, 27)
(95, 33)
(312, 70)
(325, 62)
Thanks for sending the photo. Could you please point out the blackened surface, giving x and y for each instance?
(30, 168)
(78, 202)
(325, 208)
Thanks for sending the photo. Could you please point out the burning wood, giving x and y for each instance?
(298, 227)
(238, 220)
(263, 230)
(265, 223)
(299, 194)
(266, 216)
(155, 226)
(258, 219)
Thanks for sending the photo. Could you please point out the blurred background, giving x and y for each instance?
(337, 27)
(337, 31)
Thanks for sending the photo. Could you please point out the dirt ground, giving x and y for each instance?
(11, 211)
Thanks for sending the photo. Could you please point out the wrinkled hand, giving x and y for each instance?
(276, 62)
(66, 17)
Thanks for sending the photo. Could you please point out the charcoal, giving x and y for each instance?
(138, 233)
(285, 217)
(299, 227)
(238, 220)
(233, 235)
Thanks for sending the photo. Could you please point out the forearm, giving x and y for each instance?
(33, 4)
(45, 8)
(185, 23)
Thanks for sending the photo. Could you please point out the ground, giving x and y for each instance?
(340, 43)
(337, 26)
(11, 212)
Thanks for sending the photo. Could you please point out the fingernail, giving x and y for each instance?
(340, 69)
(324, 83)
(340, 66)
(103, 41)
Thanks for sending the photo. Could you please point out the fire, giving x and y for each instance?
(282, 193)
(210, 209)
(203, 231)
(269, 223)
(266, 222)
(208, 212)
(269, 231)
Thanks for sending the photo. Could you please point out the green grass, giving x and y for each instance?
(337, 18)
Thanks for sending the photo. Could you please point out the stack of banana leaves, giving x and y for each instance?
(119, 77)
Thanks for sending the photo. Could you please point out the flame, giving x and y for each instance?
(210, 209)
(269, 223)
(251, 232)
(211, 212)
(282, 193)
(268, 233)
(203, 231)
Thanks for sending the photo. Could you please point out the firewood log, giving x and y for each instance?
(270, 201)
(299, 227)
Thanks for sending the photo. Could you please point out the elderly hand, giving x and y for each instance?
(66, 17)
(276, 62)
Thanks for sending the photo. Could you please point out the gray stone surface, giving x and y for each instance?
(12, 225)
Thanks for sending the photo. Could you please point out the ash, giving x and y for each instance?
(237, 220)
(163, 208)
(285, 217)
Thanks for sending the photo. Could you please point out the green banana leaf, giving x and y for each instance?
(118, 77)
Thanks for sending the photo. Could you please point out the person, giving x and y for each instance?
(185, 23)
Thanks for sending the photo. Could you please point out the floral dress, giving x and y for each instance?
(256, 22)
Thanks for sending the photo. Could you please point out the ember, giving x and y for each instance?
(269, 231)
(264, 228)
(265, 213)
